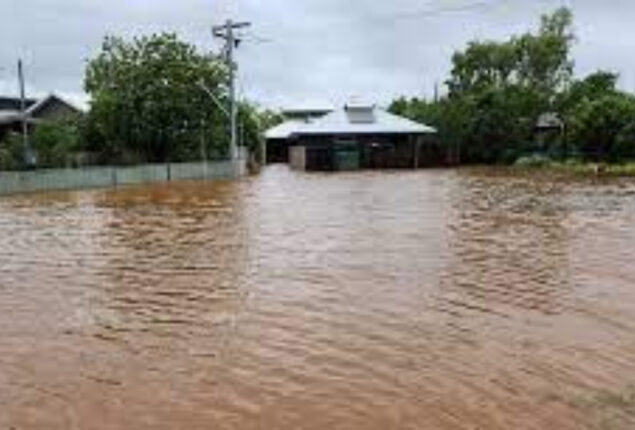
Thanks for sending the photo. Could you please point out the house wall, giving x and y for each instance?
(346, 152)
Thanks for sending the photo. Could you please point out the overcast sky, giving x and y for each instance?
(305, 51)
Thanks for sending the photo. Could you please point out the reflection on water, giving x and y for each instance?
(417, 300)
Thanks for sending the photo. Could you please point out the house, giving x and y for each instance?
(278, 137)
(550, 135)
(49, 108)
(357, 136)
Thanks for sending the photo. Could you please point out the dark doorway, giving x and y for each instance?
(277, 151)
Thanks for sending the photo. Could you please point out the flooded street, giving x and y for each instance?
(442, 299)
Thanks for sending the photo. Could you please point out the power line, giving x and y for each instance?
(483, 4)
(474, 6)
(251, 37)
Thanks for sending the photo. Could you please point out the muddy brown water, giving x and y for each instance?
(458, 299)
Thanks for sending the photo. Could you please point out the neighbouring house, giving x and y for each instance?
(49, 108)
(550, 134)
(358, 136)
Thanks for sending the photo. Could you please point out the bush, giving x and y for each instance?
(12, 153)
(624, 148)
(602, 128)
(533, 160)
(56, 143)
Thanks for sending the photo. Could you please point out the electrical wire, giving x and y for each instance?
(483, 4)
(251, 37)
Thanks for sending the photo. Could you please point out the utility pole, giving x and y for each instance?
(226, 32)
(25, 131)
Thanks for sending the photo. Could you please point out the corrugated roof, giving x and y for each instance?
(10, 103)
(380, 122)
(13, 114)
(366, 119)
(50, 98)
(9, 116)
(286, 129)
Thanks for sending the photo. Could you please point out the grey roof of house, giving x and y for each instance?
(286, 129)
(9, 103)
(8, 116)
(10, 108)
(549, 120)
(51, 97)
(352, 119)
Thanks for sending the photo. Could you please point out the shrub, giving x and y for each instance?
(533, 160)
(12, 153)
(624, 148)
(56, 143)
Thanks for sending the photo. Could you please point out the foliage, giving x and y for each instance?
(149, 103)
(590, 88)
(269, 119)
(253, 122)
(249, 127)
(497, 91)
(539, 63)
(12, 153)
(599, 125)
(625, 142)
(56, 143)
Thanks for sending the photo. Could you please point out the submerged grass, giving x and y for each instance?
(599, 169)
(586, 168)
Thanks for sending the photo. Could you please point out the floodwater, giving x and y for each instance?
(442, 299)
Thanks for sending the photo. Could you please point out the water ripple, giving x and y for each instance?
(476, 298)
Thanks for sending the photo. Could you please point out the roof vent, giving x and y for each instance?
(360, 113)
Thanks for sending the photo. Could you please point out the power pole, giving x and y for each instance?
(226, 32)
(25, 130)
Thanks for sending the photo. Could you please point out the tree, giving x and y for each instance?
(499, 90)
(603, 128)
(269, 118)
(540, 62)
(505, 86)
(625, 143)
(56, 142)
(148, 104)
(593, 87)
(12, 153)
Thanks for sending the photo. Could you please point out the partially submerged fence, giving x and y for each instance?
(99, 177)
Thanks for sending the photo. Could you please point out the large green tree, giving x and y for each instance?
(508, 85)
(592, 87)
(604, 128)
(498, 90)
(148, 102)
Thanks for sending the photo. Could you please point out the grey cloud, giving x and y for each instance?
(315, 49)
